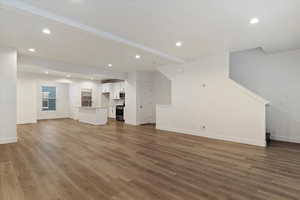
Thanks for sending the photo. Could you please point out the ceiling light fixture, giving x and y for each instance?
(46, 31)
(68, 76)
(110, 65)
(92, 78)
(254, 21)
(31, 50)
(178, 44)
(46, 72)
(137, 56)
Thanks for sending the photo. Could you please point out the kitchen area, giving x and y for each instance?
(93, 101)
(113, 98)
(107, 101)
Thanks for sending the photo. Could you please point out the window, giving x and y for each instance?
(48, 98)
(86, 98)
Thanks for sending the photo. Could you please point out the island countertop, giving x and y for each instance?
(93, 115)
(91, 108)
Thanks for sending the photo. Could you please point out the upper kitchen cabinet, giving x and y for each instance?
(122, 87)
(106, 87)
(116, 90)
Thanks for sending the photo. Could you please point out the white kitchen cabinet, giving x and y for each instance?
(116, 96)
(106, 87)
(122, 87)
(116, 90)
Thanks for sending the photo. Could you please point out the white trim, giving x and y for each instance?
(26, 122)
(131, 123)
(46, 118)
(216, 136)
(8, 140)
(285, 139)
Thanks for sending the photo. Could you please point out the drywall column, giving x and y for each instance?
(8, 79)
(131, 99)
(26, 99)
(140, 98)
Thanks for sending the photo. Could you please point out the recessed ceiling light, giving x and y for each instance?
(31, 50)
(178, 44)
(46, 31)
(46, 72)
(68, 76)
(137, 56)
(254, 21)
(109, 65)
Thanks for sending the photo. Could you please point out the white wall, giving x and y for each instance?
(29, 99)
(68, 96)
(62, 101)
(205, 102)
(26, 100)
(8, 73)
(162, 90)
(276, 78)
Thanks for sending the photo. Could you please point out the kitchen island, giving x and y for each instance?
(93, 115)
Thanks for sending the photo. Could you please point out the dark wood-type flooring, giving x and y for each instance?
(66, 160)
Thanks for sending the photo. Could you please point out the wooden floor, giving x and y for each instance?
(63, 159)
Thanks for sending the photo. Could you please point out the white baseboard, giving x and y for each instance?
(261, 143)
(49, 118)
(131, 123)
(24, 122)
(285, 139)
(8, 140)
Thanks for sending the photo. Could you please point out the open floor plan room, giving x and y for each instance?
(150, 100)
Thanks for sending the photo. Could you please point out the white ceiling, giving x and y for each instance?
(68, 44)
(93, 33)
(42, 66)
